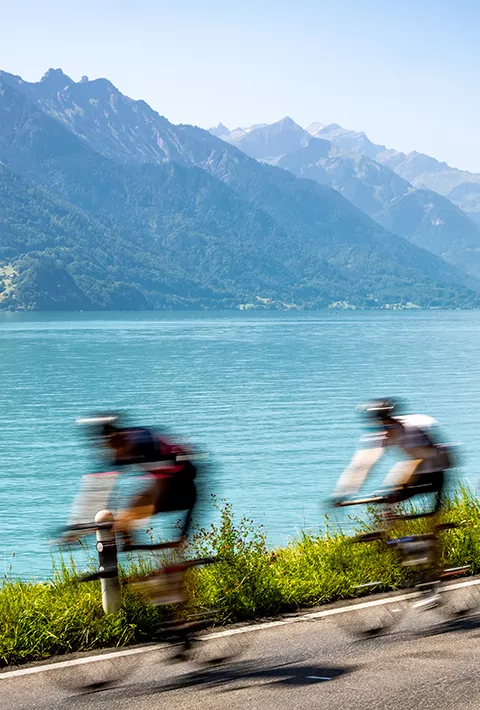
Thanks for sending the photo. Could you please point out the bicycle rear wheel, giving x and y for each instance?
(193, 641)
(369, 619)
(92, 676)
(458, 602)
(217, 648)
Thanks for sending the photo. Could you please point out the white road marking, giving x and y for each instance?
(311, 616)
(76, 662)
(318, 677)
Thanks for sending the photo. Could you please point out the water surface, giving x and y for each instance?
(270, 395)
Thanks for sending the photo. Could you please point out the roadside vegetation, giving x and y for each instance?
(39, 620)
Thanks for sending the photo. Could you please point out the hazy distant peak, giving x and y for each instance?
(219, 130)
(287, 121)
(269, 141)
(56, 77)
(333, 127)
(314, 127)
(425, 160)
(285, 125)
(255, 126)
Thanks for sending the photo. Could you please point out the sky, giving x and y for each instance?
(403, 71)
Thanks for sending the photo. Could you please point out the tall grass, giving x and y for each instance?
(251, 581)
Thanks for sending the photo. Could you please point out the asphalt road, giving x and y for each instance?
(425, 662)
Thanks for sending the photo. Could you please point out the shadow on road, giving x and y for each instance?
(241, 674)
(470, 623)
(283, 674)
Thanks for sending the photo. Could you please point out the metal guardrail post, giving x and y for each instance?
(107, 556)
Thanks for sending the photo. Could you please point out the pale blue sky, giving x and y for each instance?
(406, 72)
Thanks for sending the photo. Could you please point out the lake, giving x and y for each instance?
(271, 396)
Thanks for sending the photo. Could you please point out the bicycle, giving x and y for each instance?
(184, 631)
(430, 588)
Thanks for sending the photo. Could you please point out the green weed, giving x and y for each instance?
(39, 620)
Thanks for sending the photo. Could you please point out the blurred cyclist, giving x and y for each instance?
(425, 461)
(171, 473)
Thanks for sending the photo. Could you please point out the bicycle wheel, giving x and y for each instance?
(366, 620)
(216, 648)
(92, 676)
(193, 641)
(459, 602)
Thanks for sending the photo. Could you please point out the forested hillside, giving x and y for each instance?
(174, 217)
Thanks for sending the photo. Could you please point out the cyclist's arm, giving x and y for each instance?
(401, 472)
(96, 490)
(357, 471)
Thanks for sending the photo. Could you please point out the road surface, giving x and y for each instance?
(425, 662)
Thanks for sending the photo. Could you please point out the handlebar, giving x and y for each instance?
(82, 527)
(85, 528)
(151, 546)
(361, 501)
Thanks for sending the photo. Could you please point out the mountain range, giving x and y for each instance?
(105, 204)
(421, 170)
(403, 193)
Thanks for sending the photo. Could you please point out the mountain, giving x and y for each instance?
(368, 185)
(426, 172)
(365, 183)
(64, 258)
(434, 223)
(348, 142)
(144, 216)
(94, 111)
(270, 141)
(220, 130)
(467, 197)
(314, 127)
(105, 204)
(421, 216)
(422, 171)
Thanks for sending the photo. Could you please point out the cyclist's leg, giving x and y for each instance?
(432, 483)
(178, 495)
(181, 497)
(420, 484)
(141, 507)
(438, 485)
(190, 500)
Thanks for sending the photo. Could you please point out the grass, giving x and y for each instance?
(251, 581)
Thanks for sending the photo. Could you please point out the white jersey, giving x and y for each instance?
(412, 440)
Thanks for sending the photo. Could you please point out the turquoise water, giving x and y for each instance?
(271, 396)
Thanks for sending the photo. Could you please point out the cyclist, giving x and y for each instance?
(171, 473)
(424, 465)
(171, 488)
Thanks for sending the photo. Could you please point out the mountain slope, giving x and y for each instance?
(421, 170)
(270, 141)
(365, 183)
(421, 216)
(281, 196)
(214, 228)
(434, 223)
(64, 258)
(93, 110)
(467, 197)
(153, 210)
(348, 142)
